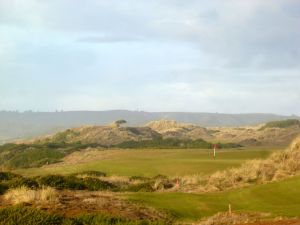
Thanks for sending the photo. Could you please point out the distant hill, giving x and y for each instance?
(15, 125)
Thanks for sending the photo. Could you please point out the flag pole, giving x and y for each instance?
(215, 147)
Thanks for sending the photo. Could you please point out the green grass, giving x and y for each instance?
(151, 162)
(278, 198)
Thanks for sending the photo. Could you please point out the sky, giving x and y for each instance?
(233, 56)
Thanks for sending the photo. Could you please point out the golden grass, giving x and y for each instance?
(26, 195)
(280, 165)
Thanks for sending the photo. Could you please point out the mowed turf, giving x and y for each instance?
(151, 162)
(278, 198)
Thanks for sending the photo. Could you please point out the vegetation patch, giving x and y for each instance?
(166, 143)
(27, 195)
(281, 124)
(8, 176)
(91, 173)
(23, 182)
(3, 188)
(20, 215)
(94, 184)
(280, 165)
(37, 154)
(62, 182)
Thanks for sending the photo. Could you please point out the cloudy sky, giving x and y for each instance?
(233, 56)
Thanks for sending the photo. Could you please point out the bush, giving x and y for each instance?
(94, 184)
(21, 181)
(20, 215)
(8, 176)
(141, 187)
(3, 188)
(173, 143)
(61, 182)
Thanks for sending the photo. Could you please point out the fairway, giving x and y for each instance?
(151, 162)
(278, 198)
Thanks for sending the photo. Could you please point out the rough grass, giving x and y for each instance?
(148, 163)
(278, 166)
(26, 195)
(20, 215)
(278, 198)
(281, 124)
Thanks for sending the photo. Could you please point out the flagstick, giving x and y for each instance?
(215, 146)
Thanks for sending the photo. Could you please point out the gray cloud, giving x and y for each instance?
(246, 50)
(108, 39)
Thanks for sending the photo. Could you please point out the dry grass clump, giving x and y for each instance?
(278, 166)
(191, 179)
(26, 195)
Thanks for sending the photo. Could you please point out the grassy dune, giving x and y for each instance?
(170, 162)
(278, 198)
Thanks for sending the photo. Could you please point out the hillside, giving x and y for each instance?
(173, 129)
(269, 134)
(15, 125)
(265, 134)
(104, 135)
(275, 133)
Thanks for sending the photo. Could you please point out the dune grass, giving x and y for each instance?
(278, 198)
(170, 162)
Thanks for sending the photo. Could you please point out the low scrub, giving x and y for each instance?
(23, 182)
(8, 176)
(3, 188)
(173, 143)
(21, 215)
(141, 187)
(62, 182)
(14, 156)
(94, 184)
(26, 195)
(281, 124)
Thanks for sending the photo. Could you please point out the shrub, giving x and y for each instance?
(3, 188)
(8, 175)
(94, 184)
(141, 187)
(61, 182)
(23, 182)
(20, 215)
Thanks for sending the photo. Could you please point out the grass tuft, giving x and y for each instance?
(26, 195)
